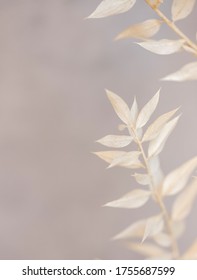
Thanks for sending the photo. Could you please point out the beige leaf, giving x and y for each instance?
(178, 228)
(115, 141)
(182, 8)
(157, 144)
(112, 7)
(154, 225)
(135, 230)
(155, 128)
(154, 164)
(162, 239)
(129, 160)
(122, 127)
(141, 30)
(149, 250)
(186, 73)
(134, 112)
(120, 107)
(191, 253)
(155, 169)
(177, 179)
(147, 111)
(163, 46)
(133, 199)
(183, 203)
(109, 156)
(142, 179)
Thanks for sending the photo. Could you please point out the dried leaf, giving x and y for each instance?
(147, 111)
(163, 46)
(133, 199)
(162, 239)
(157, 144)
(141, 30)
(178, 228)
(191, 253)
(186, 73)
(149, 250)
(115, 141)
(112, 7)
(135, 230)
(155, 128)
(181, 9)
(129, 160)
(183, 203)
(109, 156)
(154, 225)
(122, 127)
(134, 112)
(177, 179)
(142, 179)
(155, 169)
(120, 107)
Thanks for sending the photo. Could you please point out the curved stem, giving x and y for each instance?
(172, 25)
(175, 249)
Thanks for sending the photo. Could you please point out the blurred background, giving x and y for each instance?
(54, 66)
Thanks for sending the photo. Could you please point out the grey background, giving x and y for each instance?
(54, 66)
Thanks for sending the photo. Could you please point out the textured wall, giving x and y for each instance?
(54, 67)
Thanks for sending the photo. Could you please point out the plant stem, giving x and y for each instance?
(172, 25)
(174, 245)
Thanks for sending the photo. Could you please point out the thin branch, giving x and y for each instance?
(175, 249)
(173, 26)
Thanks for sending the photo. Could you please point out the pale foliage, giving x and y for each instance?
(158, 234)
(161, 228)
(180, 9)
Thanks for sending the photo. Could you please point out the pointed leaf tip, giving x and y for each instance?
(120, 106)
(112, 7)
(148, 110)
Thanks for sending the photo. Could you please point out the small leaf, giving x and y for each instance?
(134, 112)
(163, 47)
(162, 239)
(157, 144)
(182, 8)
(186, 73)
(147, 111)
(129, 160)
(120, 107)
(191, 253)
(154, 225)
(133, 199)
(177, 179)
(142, 179)
(141, 30)
(115, 141)
(155, 169)
(149, 250)
(183, 203)
(109, 156)
(135, 230)
(112, 7)
(122, 127)
(155, 128)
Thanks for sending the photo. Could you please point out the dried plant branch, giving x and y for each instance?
(165, 228)
(173, 26)
(156, 194)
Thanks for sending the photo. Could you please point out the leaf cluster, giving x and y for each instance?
(159, 234)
